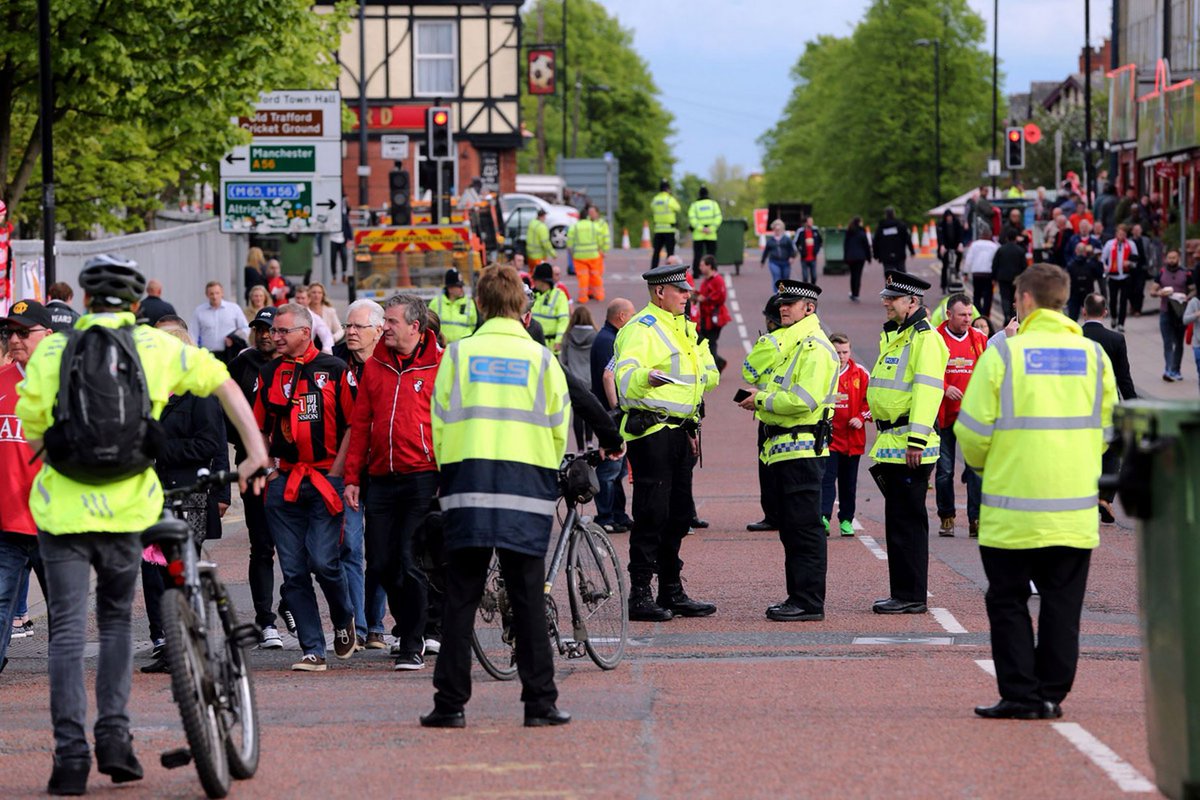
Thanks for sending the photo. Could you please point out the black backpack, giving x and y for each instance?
(103, 430)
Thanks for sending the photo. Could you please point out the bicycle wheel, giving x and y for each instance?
(239, 715)
(193, 689)
(492, 638)
(599, 599)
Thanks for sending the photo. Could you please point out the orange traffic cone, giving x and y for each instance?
(933, 242)
(925, 240)
(916, 240)
(645, 245)
(624, 238)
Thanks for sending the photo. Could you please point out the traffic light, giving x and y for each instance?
(439, 142)
(1014, 148)
(399, 197)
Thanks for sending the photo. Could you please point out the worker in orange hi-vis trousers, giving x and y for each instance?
(588, 240)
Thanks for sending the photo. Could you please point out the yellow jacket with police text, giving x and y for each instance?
(908, 381)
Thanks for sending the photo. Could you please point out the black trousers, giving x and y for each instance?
(523, 577)
(1137, 291)
(1008, 299)
(262, 559)
(701, 248)
(906, 523)
(662, 241)
(712, 335)
(1118, 299)
(662, 504)
(396, 506)
(1027, 672)
(856, 268)
(841, 484)
(801, 532)
(768, 490)
(337, 252)
(982, 285)
(901, 265)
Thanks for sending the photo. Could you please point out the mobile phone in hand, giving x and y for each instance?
(740, 395)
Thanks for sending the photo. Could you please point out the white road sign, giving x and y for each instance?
(285, 205)
(395, 147)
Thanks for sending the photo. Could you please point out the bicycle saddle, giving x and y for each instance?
(168, 530)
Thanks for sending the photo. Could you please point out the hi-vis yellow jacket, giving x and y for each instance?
(1034, 421)
(657, 339)
(906, 390)
(537, 242)
(762, 359)
(664, 207)
(588, 239)
(705, 217)
(459, 317)
(552, 311)
(800, 390)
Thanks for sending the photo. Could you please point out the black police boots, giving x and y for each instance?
(642, 607)
(672, 596)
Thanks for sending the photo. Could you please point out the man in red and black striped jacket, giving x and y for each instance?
(303, 403)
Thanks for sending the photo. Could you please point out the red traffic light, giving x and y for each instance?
(1014, 136)
(439, 118)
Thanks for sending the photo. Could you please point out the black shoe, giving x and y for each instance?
(289, 621)
(672, 596)
(616, 527)
(1051, 710)
(1011, 709)
(69, 776)
(788, 612)
(762, 525)
(444, 719)
(891, 605)
(698, 523)
(546, 718)
(642, 607)
(158, 666)
(115, 758)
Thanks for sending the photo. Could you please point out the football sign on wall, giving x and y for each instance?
(542, 72)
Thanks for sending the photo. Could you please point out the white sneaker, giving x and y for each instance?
(18, 632)
(271, 640)
(432, 646)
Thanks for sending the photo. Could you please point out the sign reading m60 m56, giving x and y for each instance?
(289, 178)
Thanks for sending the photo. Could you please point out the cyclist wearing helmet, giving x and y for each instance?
(97, 524)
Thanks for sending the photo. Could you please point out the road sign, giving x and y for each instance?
(395, 148)
(993, 168)
(760, 221)
(1033, 134)
(289, 178)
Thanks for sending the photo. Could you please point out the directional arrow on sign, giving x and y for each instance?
(229, 159)
(330, 204)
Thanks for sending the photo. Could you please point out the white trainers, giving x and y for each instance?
(309, 663)
(432, 646)
(271, 640)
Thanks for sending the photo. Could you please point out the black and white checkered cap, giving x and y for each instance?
(667, 275)
(901, 284)
(790, 291)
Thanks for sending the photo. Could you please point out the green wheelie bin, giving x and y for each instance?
(731, 243)
(834, 250)
(1159, 486)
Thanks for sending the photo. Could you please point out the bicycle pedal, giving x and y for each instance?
(246, 635)
(173, 759)
(575, 649)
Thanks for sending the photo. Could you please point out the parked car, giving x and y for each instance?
(519, 209)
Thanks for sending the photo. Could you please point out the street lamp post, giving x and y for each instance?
(937, 113)
(579, 86)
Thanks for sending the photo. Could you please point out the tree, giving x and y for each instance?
(619, 112)
(144, 94)
(1039, 158)
(858, 131)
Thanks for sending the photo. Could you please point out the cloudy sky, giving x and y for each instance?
(723, 65)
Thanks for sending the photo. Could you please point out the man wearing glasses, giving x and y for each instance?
(303, 405)
(27, 324)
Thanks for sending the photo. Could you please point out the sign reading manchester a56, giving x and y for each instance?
(281, 205)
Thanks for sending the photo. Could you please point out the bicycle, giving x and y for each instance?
(596, 587)
(205, 651)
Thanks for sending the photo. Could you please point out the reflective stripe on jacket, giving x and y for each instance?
(586, 239)
(500, 422)
(705, 217)
(552, 311)
(1034, 421)
(459, 317)
(908, 380)
(663, 208)
(800, 390)
(537, 241)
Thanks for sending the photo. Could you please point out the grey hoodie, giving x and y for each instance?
(576, 353)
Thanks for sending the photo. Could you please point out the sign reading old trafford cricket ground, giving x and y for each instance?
(289, 178)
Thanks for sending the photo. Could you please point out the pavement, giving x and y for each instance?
(729, 706)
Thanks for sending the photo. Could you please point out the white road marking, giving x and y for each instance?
(902, 640)
(746, 344)
(736, 318)
(987, 665)
(1121, 772)
(729, 292)
(742, 332)
(873, 546)
(947, 620)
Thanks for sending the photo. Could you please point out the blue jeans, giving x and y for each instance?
(840, 483)
(609, 474)
(944, 479)
(308, 542)
(18, 554)
(808, 271)
(358, 583)
(780, 271)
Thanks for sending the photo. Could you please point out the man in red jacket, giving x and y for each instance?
(850, 413)
(390, 436)
(965, 344)
(27, 324)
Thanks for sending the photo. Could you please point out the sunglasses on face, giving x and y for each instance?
(21, 333)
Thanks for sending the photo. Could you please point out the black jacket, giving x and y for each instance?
(892, 241)
(62, 316)
(244, 369)
(1113, 344)
(949, 235)
(588, 408)
(858, 246)
(1009, 262)
(152, 309)
(194, 438)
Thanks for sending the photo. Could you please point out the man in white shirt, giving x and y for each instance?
(1119, 258)
(978, 264)
(215, 323)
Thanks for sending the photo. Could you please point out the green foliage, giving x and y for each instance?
(145, 91)
(627, 120)
(858, 131)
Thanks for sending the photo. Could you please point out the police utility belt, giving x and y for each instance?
(638, 421)
(883, 425)
(822, 432)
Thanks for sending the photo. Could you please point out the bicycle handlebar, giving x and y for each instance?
(206, 481)
(592, 456)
